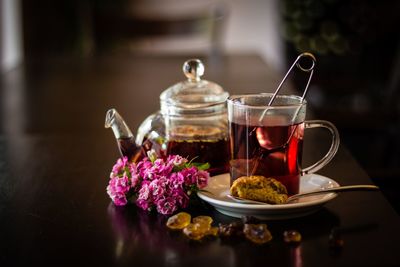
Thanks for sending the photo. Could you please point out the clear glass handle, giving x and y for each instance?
(332, 150)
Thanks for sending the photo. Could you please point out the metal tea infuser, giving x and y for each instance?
(311, 71)
(297, 64)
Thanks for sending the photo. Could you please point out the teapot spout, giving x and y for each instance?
(124, 137)
(115, 121)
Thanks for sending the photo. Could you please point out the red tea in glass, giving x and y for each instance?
(202, 144)
(271, 151)
(214, 152)
(267, 140)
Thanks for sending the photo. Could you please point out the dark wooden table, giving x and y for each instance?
(55, 159)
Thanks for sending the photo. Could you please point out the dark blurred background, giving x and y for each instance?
(356, 85)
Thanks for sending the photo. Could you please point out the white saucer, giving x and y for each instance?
(218, 188)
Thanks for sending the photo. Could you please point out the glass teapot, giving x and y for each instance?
(192, 122)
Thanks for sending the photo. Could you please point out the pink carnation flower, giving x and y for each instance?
(117, 189)
(161, 184)
(176, 160)
(167, 205)
(177, 179)
(120, 200)
(202, 179)
(119, 167)
(190, 175)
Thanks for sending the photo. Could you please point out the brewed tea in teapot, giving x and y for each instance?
(192, 123)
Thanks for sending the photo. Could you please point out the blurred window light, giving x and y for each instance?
(10, 34)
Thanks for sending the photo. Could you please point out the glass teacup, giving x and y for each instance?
(268, 140)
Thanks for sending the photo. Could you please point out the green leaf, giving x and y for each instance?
(177, 169)
(201, 166)
(152, 155)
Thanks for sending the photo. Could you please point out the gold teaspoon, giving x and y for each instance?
(317, 192)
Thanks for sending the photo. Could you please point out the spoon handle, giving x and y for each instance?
(334, 190)
(322, 191)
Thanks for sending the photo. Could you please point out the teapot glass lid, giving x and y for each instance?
(193, 93)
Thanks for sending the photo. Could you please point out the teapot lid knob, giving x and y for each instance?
(193, 69)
